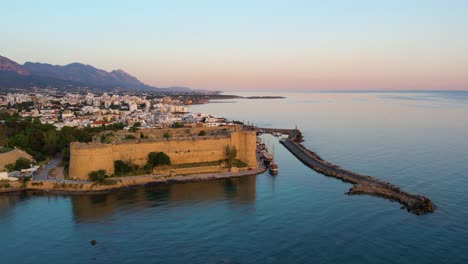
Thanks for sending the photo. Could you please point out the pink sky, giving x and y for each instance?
(251, 45)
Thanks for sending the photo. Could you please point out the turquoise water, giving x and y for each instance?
(418, 141)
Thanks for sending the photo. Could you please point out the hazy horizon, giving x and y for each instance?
(245, 46)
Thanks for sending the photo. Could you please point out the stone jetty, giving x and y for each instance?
(362, 184)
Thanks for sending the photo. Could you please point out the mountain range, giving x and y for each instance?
(14, 75)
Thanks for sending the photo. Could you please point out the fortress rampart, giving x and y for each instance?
(87, 157)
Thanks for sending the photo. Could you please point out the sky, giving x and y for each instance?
(250, 45)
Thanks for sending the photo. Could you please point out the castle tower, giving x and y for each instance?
(85, 158)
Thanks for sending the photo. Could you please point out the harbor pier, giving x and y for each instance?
(362, 184)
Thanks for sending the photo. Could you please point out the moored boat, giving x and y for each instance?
(273, 168)
(267, 158)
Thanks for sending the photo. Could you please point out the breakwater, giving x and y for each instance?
(362, 184)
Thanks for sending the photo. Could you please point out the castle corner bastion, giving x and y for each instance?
(183, 146)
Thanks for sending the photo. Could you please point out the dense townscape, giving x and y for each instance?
(36, 128)
(93, 110)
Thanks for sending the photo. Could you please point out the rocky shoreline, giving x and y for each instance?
(362, 184)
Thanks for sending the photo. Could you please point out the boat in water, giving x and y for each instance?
(267, 158)
(273, 168)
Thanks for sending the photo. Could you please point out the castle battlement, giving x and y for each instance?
(87, 157)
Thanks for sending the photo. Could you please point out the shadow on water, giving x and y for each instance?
(8, 201)
(95, 206)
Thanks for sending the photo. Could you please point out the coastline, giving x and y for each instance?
(124, 183)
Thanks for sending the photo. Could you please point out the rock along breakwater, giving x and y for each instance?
(362, 184)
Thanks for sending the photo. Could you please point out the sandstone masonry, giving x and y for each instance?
(87, 157)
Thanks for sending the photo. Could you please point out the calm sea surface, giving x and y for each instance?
(418, 141)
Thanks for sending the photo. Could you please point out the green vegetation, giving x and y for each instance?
(129, 137)
(3, 143)
(199, 164)
(202, 133)
(42, 140)
(122, 168)
(239, 164)
(20, 163)
(23, 181)
(26, 106)
(231, 153)
(135, 127)
(98, 176)
(166, 135)
(158, 158)
(109, 182)
(107, 138)
(5, 184)
(177, 125)
(5, 149)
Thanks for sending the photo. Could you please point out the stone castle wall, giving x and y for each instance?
(87, 157)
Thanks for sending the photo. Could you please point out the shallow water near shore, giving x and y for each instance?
(417, 141)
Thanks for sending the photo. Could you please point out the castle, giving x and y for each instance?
(180, 144)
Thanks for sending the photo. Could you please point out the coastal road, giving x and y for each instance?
(42, 175)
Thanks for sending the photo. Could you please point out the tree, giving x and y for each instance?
(20, 163)
(158, 158)
(3, 140)
(40, 140)
(231, 153)
(202, 133)
(98, 176)
(50, 142)
(19, 140)
(10, 167)
(121, 168)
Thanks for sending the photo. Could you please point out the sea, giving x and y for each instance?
(417, 140)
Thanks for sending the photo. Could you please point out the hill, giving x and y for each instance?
(14, 75)
(87, 74)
